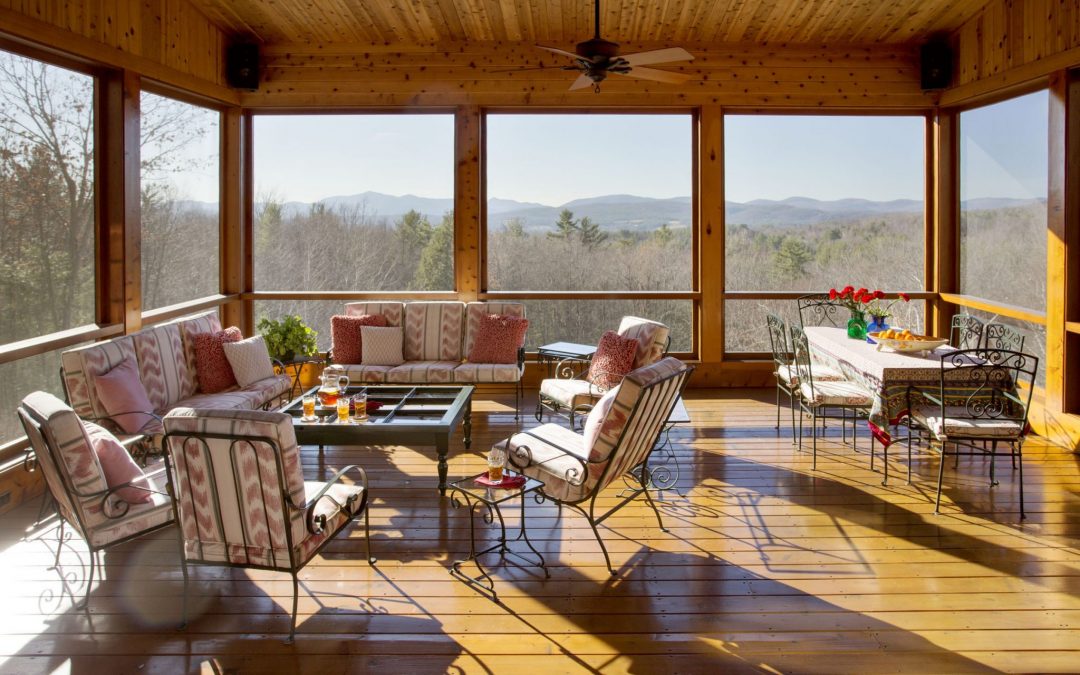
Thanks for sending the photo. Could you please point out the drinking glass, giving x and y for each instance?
(496, 464)
(360, 407)
(309, 406)
(343, 409)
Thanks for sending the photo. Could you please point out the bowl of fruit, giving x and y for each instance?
(903, 340)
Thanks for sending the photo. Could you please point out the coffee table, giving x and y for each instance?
(410, 415)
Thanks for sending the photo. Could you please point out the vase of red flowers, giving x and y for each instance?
(861, 302)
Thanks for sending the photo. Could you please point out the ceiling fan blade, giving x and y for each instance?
(516, 70)
(563, 52)
(581, 82)
(656, 75)
(658, 56)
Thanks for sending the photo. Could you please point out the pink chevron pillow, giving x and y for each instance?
(211, 365)
(498, 337)
(614, 358)
(121, 391)
(345, 335)
(117, 465)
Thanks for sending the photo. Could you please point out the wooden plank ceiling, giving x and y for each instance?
(569, 21)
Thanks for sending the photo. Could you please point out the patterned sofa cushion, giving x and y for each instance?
(473, 373)
(433, 331)
(393, 311)
(249, 398)
(83, 364)
(360, 373)
(420, 372)
(475, 310)
(163, 365)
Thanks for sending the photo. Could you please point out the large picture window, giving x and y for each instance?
(181, 187)
(352, 203)
(816, 202)
(47, 198)
(1003, 187)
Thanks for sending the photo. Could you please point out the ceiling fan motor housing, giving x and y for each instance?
(590, 49)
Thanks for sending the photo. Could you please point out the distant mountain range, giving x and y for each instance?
(630, 212)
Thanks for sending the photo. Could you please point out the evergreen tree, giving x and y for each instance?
(590, 233)
(515, 227)
(436, 269)
(663, 235)
(413, 233)
(790, 259)
(565, 227)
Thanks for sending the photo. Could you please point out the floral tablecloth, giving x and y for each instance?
(886, 374)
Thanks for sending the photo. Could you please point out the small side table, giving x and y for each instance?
(297, 364)
(473, 496)
(572, 352)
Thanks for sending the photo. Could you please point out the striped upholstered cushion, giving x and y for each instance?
(651, 336)
(393, 311)
(201, 323)
(163, 365)
(433, 331)
(81, 367)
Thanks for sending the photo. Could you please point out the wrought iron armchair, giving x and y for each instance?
(966, 331)
(240, 498)
(1003, 336)
(577, 392)
(77, 483)
(983, 396)
(818, 310)
(816, 395)
(625, 425)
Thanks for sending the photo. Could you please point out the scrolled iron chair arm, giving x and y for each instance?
(120, 508)
(316, 524)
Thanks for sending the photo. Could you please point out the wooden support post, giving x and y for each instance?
(946, 198)
(119, 240)
(1063, 246)
(930, 159)
(710, 195)
(468, 203)
(232, 216)
(246, 185)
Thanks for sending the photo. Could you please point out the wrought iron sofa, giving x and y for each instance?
(438, 337)
(166, 359)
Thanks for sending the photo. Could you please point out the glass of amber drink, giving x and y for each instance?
(360, 408)
(496, 464)
(343, 409)
(309, 407)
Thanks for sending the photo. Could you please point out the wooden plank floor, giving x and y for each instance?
(767, 566)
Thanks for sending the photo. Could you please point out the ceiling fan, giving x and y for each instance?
(596, 58)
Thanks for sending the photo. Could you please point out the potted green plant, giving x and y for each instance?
(288, 338)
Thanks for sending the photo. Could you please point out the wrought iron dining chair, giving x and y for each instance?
(818, 310)
(816, 396)
(620, 435)
(983, 396)
(74, 476)
(787, 379)
(966, 331)
(240, 498)
(1003, 336)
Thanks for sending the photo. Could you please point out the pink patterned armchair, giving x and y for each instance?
(620, 434)
(576, 394)
(240, 496)
(76, 481)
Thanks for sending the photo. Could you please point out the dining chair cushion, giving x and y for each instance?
(250, 360)
(121, 391)
(555, 455)
(834, 392)
(345, 335)
(790, 375)
(958, 423)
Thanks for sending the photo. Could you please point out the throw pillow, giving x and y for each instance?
(613, 359)
(249, 359)
(382, 346)
(211, 366)
(345, 335)
(121, 391)
(117, 464)
(498, 337)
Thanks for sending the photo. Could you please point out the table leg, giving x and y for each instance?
(442, 446)
(467, 424)
(484, 581)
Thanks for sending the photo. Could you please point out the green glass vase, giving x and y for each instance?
(856, 326)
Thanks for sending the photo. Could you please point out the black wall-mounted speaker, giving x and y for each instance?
(935, 60)
(242, 66)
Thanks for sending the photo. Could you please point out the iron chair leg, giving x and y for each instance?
(367, 535)
(791, 404)
(89, 580)
(813, 425)
(59, 544)
(1020, 464)
(940, 478)
(184, 569)
(648, 498)
(295, 601)
(778, 406)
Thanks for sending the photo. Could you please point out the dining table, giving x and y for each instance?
(895, 379)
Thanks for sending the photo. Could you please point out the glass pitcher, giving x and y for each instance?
(332, 383)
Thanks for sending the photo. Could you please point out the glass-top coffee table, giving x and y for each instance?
(410, 415)
(467, 492)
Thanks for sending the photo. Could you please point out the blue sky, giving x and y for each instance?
(553, 159)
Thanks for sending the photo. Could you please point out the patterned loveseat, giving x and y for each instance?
(166, 359)
(437, 339)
